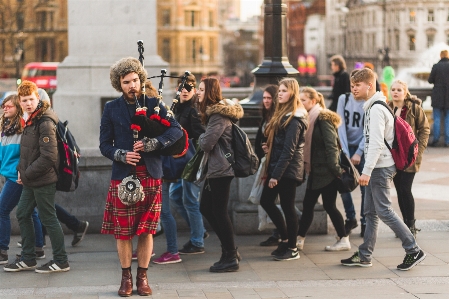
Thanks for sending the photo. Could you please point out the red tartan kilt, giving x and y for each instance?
(123, 221)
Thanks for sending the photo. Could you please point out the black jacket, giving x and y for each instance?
(287, 153)
(260, 138)
(439, 76)
(341, 86)
(187, 116)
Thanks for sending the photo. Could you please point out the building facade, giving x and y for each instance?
(189, 36)
(31, 30)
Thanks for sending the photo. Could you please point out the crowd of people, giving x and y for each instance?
(299, 139)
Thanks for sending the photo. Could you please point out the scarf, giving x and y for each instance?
(9, 128)
(313, 114)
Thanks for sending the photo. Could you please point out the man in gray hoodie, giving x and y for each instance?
(377, 176)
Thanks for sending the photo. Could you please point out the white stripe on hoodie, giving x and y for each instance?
(379, 125)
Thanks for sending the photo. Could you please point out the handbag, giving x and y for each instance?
(173, 166)
(256, 190)
(191, 169)
(349, 180)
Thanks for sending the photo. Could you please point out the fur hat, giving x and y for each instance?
(122, 68)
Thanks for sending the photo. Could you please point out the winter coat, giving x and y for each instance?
(187, 116)
(440, 78)
(9, 156)
(325, 166)
(39, 159)
(219, 128)
(260, 138)
(287, 151)
(417, 119)
(341, 86)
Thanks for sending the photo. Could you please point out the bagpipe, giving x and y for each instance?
(155, 125)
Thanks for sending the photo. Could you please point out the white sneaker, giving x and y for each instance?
(300, 242)
(341, 245)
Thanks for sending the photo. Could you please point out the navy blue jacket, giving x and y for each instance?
(116, 133)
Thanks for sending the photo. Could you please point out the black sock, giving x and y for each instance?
(146, 269)
(129, 268)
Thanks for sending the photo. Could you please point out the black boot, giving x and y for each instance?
(228, 263)
(412, 227)
(223, 255)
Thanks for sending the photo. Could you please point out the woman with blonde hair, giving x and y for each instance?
(409, 108)
(321, 160)
(285, 165)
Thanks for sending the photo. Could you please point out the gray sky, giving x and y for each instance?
(249, 8)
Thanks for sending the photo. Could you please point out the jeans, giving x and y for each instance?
(44, 198)
(9, 197)
(437, 114)
(184, 196)
(65, 217)
(378, 205)
(168, 221)
(347, 197)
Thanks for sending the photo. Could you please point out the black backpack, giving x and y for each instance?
(69, 153)
(244, 161)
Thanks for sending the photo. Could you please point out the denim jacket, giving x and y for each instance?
(116, 133)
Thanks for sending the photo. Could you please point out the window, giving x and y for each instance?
(191, 18)
(42, 20)
(211, 18)
(430, 40)
(166, 17)
(412, 16)
(45, 49)
(20, 20)
(191, 49)
(211, 49)
(2, 50)
(397, 18)
(430, 16)
(166, 54)
(411, 42)
(2, 21)
(61, 50)
(397, 41)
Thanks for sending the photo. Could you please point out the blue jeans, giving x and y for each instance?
(437, 114)
(168, 221)
(9, 197)
(347, 198)
(185, 198)
(378, 206)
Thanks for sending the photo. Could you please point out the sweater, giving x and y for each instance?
(351, 133)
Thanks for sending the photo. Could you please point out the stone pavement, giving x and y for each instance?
(95, 271)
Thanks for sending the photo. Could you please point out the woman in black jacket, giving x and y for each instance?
(285, 165)
(341, 80)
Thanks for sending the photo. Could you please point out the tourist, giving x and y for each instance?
(341, 80)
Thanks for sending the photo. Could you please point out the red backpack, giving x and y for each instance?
(405, 144)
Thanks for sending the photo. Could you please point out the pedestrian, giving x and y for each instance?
(408, 107)
(352, 143)
(11, 125)
(440, 98)
(285, 166)
(117, 144)
(184, 195)
(269, 101)
(341, 80)
(377, 176)
(37, 167)
(217, 114)
(321, 161)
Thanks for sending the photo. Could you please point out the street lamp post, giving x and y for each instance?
(17, 57)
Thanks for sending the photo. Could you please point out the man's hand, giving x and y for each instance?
(356, 159)
(272, 183)
(364, 180)
(19, 181)
(132, 158)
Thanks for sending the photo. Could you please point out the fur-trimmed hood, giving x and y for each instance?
(329, 115)
(300, 112)
(226, 108)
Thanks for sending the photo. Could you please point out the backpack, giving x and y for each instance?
(69, 152)
(405, 145)
(244, 161)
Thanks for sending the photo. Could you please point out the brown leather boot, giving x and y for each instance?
(126, 286)
(143, 289)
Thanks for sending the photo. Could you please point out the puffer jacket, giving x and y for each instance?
(219, 127)
(287, 151)
(325, 166)
(417, 119)
(39, 159)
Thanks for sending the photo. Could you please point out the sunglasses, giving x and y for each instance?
(188, 86)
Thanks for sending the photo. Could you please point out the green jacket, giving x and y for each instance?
(325, 151)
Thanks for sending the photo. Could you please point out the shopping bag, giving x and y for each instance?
(259, 181)
(191, 169)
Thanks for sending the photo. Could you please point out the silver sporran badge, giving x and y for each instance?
(130, 190)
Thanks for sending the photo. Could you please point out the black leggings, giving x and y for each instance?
(286, 188)
(329, 197)
(214, 207)
(403, 183)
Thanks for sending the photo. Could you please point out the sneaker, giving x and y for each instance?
(52, 267)
(282, 248)
(3, 258)
(289, 254)
(40, 254)
(19, 265)
(134, 256)
(79, 234)
(362, 230)
(300, 242)
(350, 224)
(342, 244)
(411, 260)
(206, 235)
(271, 241)
(355, 260)
(168, 258)
(189, 248)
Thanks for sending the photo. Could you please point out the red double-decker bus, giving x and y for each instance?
(41, 73)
